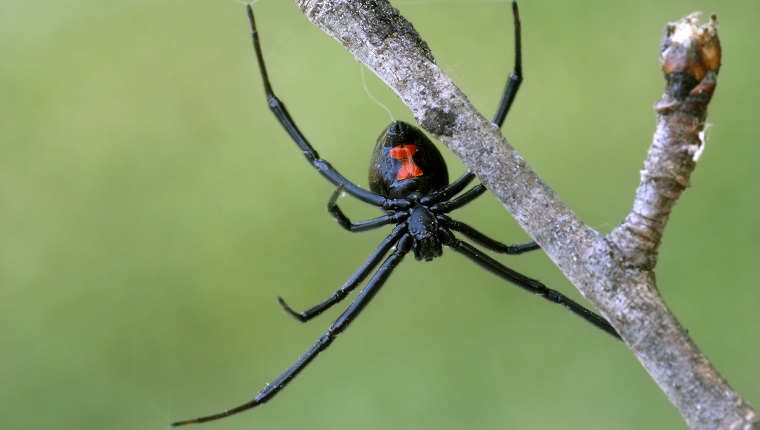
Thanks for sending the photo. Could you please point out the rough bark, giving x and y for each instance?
(614, 272)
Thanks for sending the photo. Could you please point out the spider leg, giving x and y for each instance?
(515, 78)
(513, 82)
(352, 282)
(451, 190)
(452, 205)
(485, 241)
(354, 227)
(524, 282)
(279, 110)
(373, 286)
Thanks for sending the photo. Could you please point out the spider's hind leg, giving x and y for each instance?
(513, 82)
(516, 77)
(281, 113)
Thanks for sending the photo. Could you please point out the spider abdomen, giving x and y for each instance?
(423, 227)
(406, 164)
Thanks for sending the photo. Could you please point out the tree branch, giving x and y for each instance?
(614, 272)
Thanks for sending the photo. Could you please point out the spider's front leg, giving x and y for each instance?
(373, 286)
(354, 281)
(532, 285)
(366, 268)
(485, 241)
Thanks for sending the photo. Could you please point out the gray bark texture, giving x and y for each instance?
(615, 272)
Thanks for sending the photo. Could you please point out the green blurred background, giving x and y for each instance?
(153, 209)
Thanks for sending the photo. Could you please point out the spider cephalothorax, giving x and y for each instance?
(409, 183)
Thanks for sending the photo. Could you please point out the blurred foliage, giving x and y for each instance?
(152, 210)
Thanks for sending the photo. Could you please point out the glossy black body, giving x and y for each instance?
(409, 183)
(384, 168)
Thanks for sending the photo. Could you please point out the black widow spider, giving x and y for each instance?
(409, 181)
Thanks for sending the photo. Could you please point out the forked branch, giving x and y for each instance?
(614, 272)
